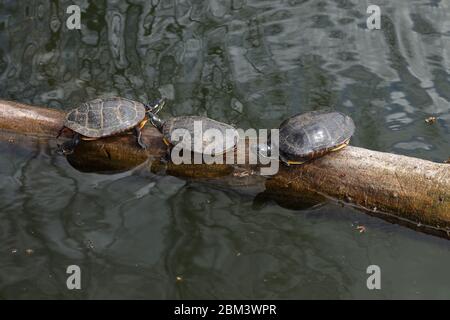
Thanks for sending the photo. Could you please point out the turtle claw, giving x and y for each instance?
(142, 145)
(67, 152)
(63, 150)
(166, 158)
(68, 147)
(60, 150)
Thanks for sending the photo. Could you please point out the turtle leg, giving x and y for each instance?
(167, 156)
(138, 134)
(69, 146)
(60, 132)
(284, 160)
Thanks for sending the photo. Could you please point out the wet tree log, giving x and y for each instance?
(401, 189)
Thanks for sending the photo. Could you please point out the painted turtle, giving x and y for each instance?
(106, 117)
(311, 135)
(197, 127)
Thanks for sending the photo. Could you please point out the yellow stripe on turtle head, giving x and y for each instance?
(166, 142)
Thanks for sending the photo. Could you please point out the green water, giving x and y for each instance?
(246, 62)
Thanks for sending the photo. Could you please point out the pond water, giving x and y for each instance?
(251, 63)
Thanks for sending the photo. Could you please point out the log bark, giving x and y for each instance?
(401, 189)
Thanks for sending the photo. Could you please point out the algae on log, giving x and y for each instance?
(398, 188)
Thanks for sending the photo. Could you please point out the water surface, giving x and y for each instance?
(251, 63)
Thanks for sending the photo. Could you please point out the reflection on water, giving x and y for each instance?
(247, 62)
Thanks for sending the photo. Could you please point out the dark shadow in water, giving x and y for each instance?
(304, 202)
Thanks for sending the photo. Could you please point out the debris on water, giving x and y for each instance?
(241, 174)
(447, 161)
(430, 120)
(89, 244)
(361, 229)
(237, 105)
(29, 251)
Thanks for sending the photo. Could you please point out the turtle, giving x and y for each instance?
(104, 117)
(310, 135)
(196, 126)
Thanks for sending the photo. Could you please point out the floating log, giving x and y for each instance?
(401, 189)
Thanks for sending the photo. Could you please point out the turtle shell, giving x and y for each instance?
(105, 117)
(201, 130)
(313, 134)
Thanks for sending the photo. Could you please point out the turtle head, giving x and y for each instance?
(156, 106)
(152, 109)
(264, 150)
(267, 148)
